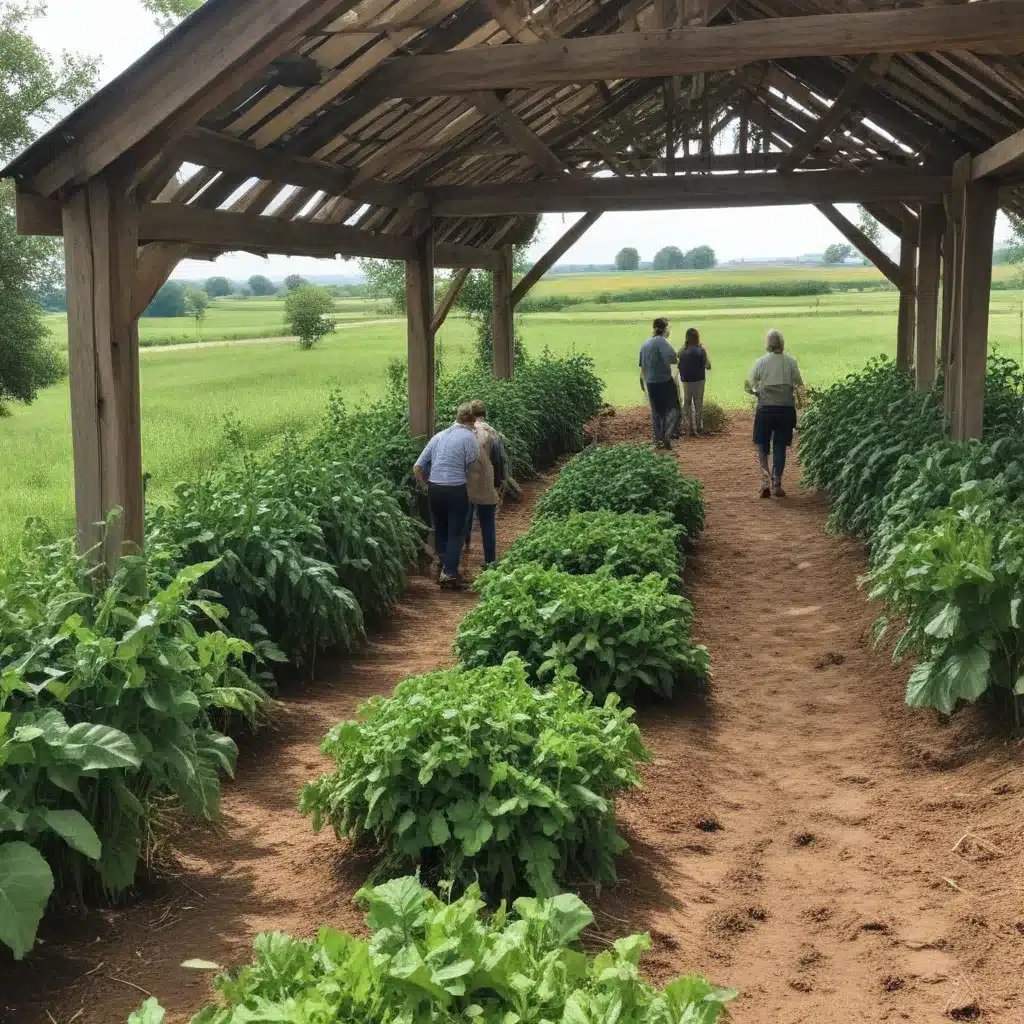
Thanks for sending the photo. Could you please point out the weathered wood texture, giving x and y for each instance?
(448, 300)
(100, 242)
(907, 317)
(419, 305)
(931, 226)
(502, 326)
(555, 253)
(861, 242)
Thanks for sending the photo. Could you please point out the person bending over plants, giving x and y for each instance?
(775, 380)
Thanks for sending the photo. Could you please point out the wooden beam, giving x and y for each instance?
(861, 242)
(502, 327)
(100, 241)
(451, 254)
(908, 293)
(948, 265)
(567, 195)
(867, 70)
(419, 305)
(155, 263)
(189, 73)
(517, 131)
(555, 253)
(931, 225)
(451, 296)
(981, 205)
(990, 27)
(1002, 160)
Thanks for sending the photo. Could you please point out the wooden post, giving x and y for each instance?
(502, 331)
(419, 305)
(908, 290)
(100, 223)
(932, 224)
(948, 262)
(981, 204)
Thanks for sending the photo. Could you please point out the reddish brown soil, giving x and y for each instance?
(800, 836)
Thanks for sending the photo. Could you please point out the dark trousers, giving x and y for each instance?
(664, 399)
(488, 517)
(449, 508)
(773, 434)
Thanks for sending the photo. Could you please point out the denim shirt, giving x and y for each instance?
(449, 456)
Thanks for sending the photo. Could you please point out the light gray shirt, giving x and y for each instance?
(774, 379)
(657, 357)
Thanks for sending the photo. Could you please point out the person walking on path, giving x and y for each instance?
(443, 472)
(694, 365)
(775, 380)
(657, 357)
(486, 479)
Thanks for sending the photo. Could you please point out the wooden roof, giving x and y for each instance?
(344, 123)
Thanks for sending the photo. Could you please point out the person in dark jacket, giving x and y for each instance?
(694, 365)
(657, 357)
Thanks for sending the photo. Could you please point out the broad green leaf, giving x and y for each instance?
(75, 830)
(26, 883)
(151, 1012)
(202, 965)
(94, 747)
(946, 623)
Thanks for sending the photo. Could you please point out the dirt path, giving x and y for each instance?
(794, 840)
(233, 342)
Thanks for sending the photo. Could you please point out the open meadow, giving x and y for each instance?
(271, 388)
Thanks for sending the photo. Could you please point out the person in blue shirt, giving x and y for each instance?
(657, 357)
(443, 472)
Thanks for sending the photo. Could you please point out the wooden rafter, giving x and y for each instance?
(861, 242)
(1004, 159)
(519, 133)
(555, 253)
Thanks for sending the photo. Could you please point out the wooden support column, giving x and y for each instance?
(101, 224)
(908, 289)
(502, 330)
(932, 224)
(419, 306)
(981, 204)
(948, 263)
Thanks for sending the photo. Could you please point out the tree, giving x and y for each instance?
(218, 287)
(261, 286)
(293, 281)
(196, 302)
(869, 226)
(669, 258)
(701, 258)
(167, 13)
(34, 89)
(169, 301)
(838, 252)
(385, 279)
(307, 310)
(627, 259)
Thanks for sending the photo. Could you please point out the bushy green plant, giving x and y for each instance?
(715, 418)
(627, 543)
(307, 310)
(626, 478)
(427, 960)
(475, 775)
(620, 635)
(107, 698)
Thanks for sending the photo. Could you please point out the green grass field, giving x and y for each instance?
(270, 388)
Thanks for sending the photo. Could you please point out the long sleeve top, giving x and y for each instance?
(450, 455)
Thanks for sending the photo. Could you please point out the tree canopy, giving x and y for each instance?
(838, 252)
(218, 287)
(293, 281)
(308, 312)
(669, 258)
(627, 259)
(169, 301)
(262, 286)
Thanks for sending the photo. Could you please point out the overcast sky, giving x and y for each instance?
(119, 31)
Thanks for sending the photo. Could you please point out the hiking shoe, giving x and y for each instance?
(448, 582)
(778, 491)
(766, 492)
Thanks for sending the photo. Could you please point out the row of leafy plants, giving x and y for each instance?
(944, 521)
(118, 691)
(497, 779)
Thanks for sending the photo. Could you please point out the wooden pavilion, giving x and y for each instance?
(436, 131)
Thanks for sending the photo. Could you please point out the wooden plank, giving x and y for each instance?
(517, 131)
(692, 192)
(981, 204)
(189, 73)
(419, 306)
(931, 225)
(867, 71)
(502, 326)
(991, 27)
(948, 261)
(101, 224)
(861, 242)
(155, 263)
(954, 369)
(448, 300)
(1004, 158)
(907, 317)
(448, 254)
(555, 253)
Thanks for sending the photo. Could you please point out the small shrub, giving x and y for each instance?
(626, 478)
(428, 960)
(716, 419)
(475, 775)
(626, 543)
(618, 634)
(307, 309)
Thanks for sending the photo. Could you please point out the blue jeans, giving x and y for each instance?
(449, 507)
(778, 453)
(488, 517)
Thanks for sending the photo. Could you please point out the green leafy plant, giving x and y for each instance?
(473, 774)
(427, 960)
(716, 419)
(627, 543)
(108, 698)
(620, 635)
(626, 478)
(307, 310)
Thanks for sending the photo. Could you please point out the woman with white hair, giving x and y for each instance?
(775, 380)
